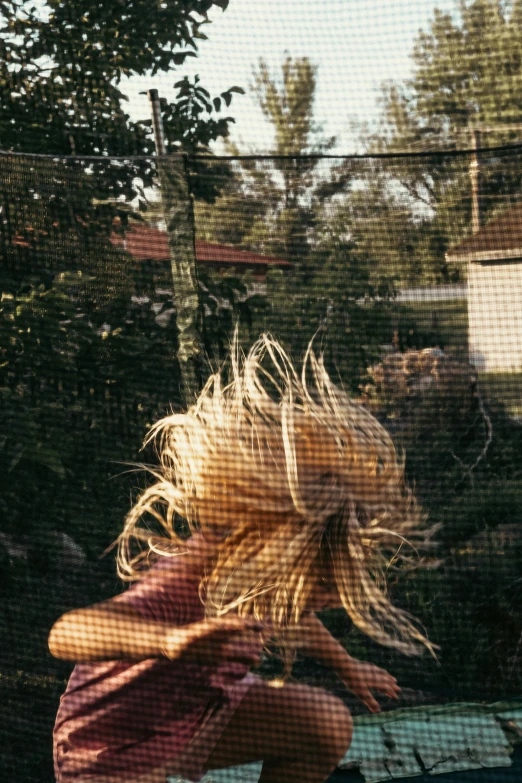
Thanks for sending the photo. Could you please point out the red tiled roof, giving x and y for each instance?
(226, 254)
(147, 243)
(499, 239)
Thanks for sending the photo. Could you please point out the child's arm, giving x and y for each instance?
(111, 631)
(358, 676)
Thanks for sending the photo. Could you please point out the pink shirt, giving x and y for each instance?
(121, 719)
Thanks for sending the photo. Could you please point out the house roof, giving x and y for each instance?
(148, 243)
(498, 240)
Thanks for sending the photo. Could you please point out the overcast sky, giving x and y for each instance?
(357, 44)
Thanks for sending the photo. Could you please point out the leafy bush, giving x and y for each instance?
(464, 460)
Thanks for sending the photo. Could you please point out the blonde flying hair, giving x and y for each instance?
(287, 473)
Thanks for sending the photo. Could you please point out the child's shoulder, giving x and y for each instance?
(170, 561)
(168, 591)
(166, 569)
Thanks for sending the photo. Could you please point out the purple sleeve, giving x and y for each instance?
(165, 595)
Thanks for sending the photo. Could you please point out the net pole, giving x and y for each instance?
(476, 206)
(179, 220)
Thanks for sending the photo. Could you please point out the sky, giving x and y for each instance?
(356, 44)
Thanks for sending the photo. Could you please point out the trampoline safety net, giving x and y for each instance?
(260, 429)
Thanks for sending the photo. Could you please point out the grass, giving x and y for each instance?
(445, 324)
(504, 388)
(428, 324)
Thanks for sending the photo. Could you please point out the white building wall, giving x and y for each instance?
(495, 316)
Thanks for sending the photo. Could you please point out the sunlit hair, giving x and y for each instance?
(284, 470)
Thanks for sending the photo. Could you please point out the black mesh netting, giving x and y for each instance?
(410, 288)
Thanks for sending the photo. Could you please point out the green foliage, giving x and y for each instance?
(404, 240)
(88, 357)
(62, 65)
(61, 72)
(269, 205)
(229, 300)
(88, 347)
(464, 460)
(88, 339)
(454, 84)
(470, 602)
(87, 363)
(75, 403)
(21, 695)
(287, 104)
(467, 72)
(283, 207)
(77, 398)
(439, 324)
(336, 305)
(190, 126)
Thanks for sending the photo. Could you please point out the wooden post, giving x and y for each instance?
(179, 218)
(157, 124)
(474, 173)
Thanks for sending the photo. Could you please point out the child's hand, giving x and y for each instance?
(359, 677)
(218, 640)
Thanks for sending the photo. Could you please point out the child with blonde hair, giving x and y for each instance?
(276, 496)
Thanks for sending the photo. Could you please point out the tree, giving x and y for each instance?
(401, 240)
(62, 66)
(61, 71)
(87, 342)
(269, 205)
(81, 350)
(284, 206)
(341, 305)
(467, 73)
(288, 106)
